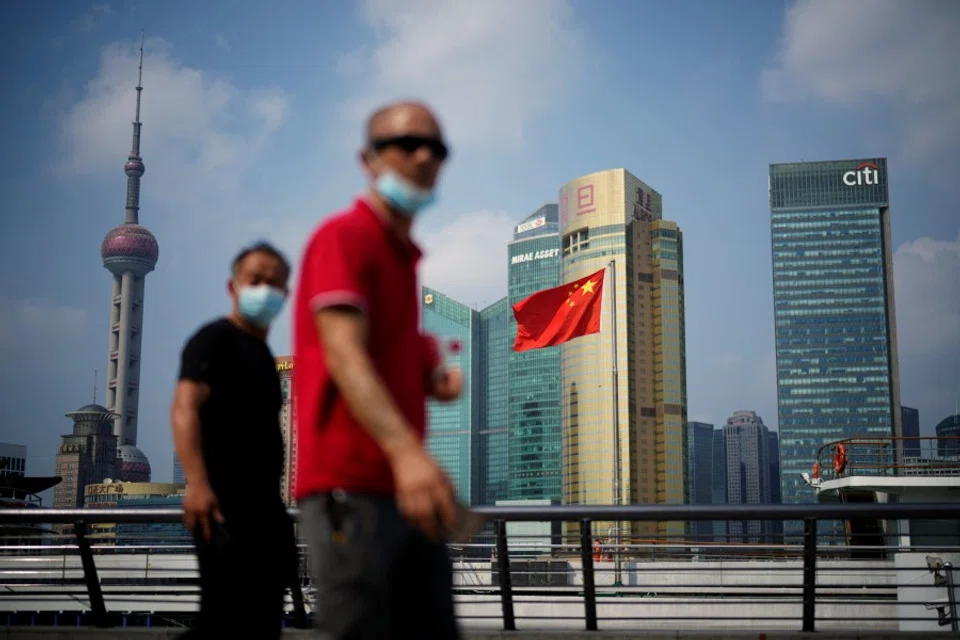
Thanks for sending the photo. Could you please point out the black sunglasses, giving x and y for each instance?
(411, 143)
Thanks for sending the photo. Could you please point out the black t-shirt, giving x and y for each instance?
(240, 421)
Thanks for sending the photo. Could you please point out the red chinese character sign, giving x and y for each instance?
(585, 200)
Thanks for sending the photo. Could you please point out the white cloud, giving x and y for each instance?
(200, 132)
(853, 52)
(31, 325)
(927, 291)
(487, 67)
(467, 258)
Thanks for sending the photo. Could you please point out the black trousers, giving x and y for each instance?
(244, 571)
(376, 576)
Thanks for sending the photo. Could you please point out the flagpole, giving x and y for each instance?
(616, 422)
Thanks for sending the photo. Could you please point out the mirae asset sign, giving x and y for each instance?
(534, 255)
(865, 173)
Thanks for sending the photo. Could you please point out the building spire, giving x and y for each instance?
(95, 372)
(134, 167)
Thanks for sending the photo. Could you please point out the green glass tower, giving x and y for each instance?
(450, 435)
(535, 463)
(492, 440)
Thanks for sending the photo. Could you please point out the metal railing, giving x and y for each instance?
(883, 456)
(564, 576)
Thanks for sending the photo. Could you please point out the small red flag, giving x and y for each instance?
(558, 315)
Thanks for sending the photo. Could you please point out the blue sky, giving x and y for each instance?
(252, 115)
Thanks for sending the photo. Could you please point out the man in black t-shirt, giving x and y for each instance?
(226, 431)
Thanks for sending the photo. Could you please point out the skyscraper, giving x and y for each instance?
(748, 473)
(910, 421)
(129, 252)
(451, 425)
(719, 482)
(700, 472)
(613, 215)
(492, 457)
(86, 455)
(535, 469)
(835, 326)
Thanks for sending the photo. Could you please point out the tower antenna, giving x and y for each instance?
(139, 89)
(95, 372)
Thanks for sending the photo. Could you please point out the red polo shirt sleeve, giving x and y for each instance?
(334, 272)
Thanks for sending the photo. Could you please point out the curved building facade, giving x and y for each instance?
(613, 215)
(534, 469)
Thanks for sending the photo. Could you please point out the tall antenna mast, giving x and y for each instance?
(95, 372)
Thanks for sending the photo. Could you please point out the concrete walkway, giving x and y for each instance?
(64, 633)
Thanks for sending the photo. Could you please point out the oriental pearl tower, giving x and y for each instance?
(129, 253)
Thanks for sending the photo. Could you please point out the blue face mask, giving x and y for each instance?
(403, 196)
(260, 304)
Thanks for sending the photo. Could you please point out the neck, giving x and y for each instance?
(399, 222)
(244, 325)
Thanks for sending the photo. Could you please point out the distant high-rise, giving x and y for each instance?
(748, 473)
(948, 436)
(910, 421)
(178, 475)
(614, 215)
(535, 469)
(129, 252)
(835, 326)
(719, 482)
(700, 472)
(492, 459)
(450, 425)
(85, 456)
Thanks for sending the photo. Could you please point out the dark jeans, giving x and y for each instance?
(376, 576)
(244, 571)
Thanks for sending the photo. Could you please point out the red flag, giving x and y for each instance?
(558, 315)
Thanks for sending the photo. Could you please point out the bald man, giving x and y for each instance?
(374, 504)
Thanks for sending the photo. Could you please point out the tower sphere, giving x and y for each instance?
(134, 168)
(130, 247)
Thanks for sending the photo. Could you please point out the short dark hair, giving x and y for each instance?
(260, 247)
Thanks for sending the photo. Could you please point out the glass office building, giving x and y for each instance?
(492, 456)
(835, 327)
(451, 425)
(700, 472)
(614, 215)
(534, 394)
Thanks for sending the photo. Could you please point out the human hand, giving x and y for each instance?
(424, 493)
(200, 507)
(448, 385)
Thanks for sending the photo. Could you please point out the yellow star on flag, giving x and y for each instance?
(587, 287)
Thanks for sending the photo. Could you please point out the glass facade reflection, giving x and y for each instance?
(534, 393)
(492, 457)
(700, 472)
(835, 328)
(450, 435)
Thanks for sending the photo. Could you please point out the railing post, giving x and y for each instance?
(503, 567)
(589, 585)
(809, 574)
(98, 607)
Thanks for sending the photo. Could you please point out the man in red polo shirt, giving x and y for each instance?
(373, 502)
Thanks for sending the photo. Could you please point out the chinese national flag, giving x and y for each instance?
(558, 315)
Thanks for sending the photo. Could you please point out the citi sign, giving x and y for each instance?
(865, 173)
